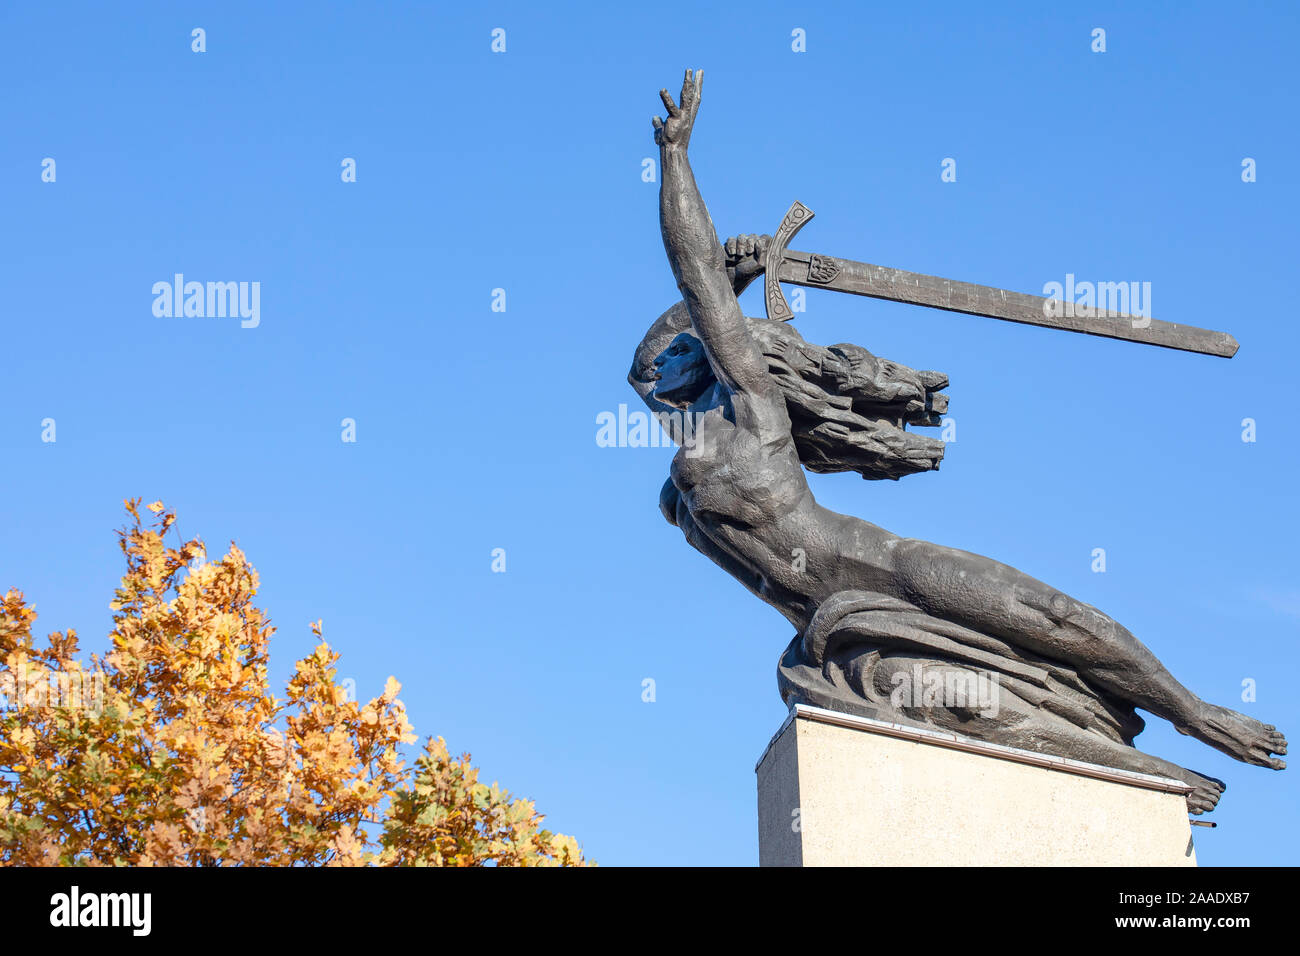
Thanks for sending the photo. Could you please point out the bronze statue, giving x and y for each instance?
(753, 404)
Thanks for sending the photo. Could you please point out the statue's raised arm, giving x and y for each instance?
(843, 408)
(698, 260)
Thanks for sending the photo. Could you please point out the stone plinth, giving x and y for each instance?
(839, 790)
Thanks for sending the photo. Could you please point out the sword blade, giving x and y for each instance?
(915, 288)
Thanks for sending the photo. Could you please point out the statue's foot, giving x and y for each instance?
(1205, 791)
(1239, 736)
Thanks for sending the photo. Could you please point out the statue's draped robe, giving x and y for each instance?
(863, 653)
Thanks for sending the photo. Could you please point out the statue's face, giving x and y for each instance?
(683, 372)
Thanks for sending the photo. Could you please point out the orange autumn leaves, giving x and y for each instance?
(172, 751)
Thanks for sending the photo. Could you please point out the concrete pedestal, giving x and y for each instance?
(839, 790)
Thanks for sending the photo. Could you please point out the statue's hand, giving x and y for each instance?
(746, 259)
(676, 129)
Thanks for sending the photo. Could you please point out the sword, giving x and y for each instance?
(897, 285)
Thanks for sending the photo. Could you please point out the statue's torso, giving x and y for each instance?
(747, 506)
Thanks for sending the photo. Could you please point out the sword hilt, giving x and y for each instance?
(796, 218)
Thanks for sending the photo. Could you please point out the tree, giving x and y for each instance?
(171, 750)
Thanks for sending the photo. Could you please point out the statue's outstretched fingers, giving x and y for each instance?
(691, 90)
(668, 102)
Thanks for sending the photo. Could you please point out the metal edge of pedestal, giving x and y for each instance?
(950, 741)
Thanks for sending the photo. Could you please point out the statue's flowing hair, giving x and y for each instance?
(849, 410)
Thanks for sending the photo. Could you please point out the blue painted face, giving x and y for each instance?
(682, 371)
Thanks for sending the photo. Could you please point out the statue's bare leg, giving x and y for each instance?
(986, 595)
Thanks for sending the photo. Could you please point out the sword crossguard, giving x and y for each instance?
(796, 217)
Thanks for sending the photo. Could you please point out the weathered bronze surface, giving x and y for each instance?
(880, 621)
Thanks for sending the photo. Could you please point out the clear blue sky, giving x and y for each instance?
(476, 429)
